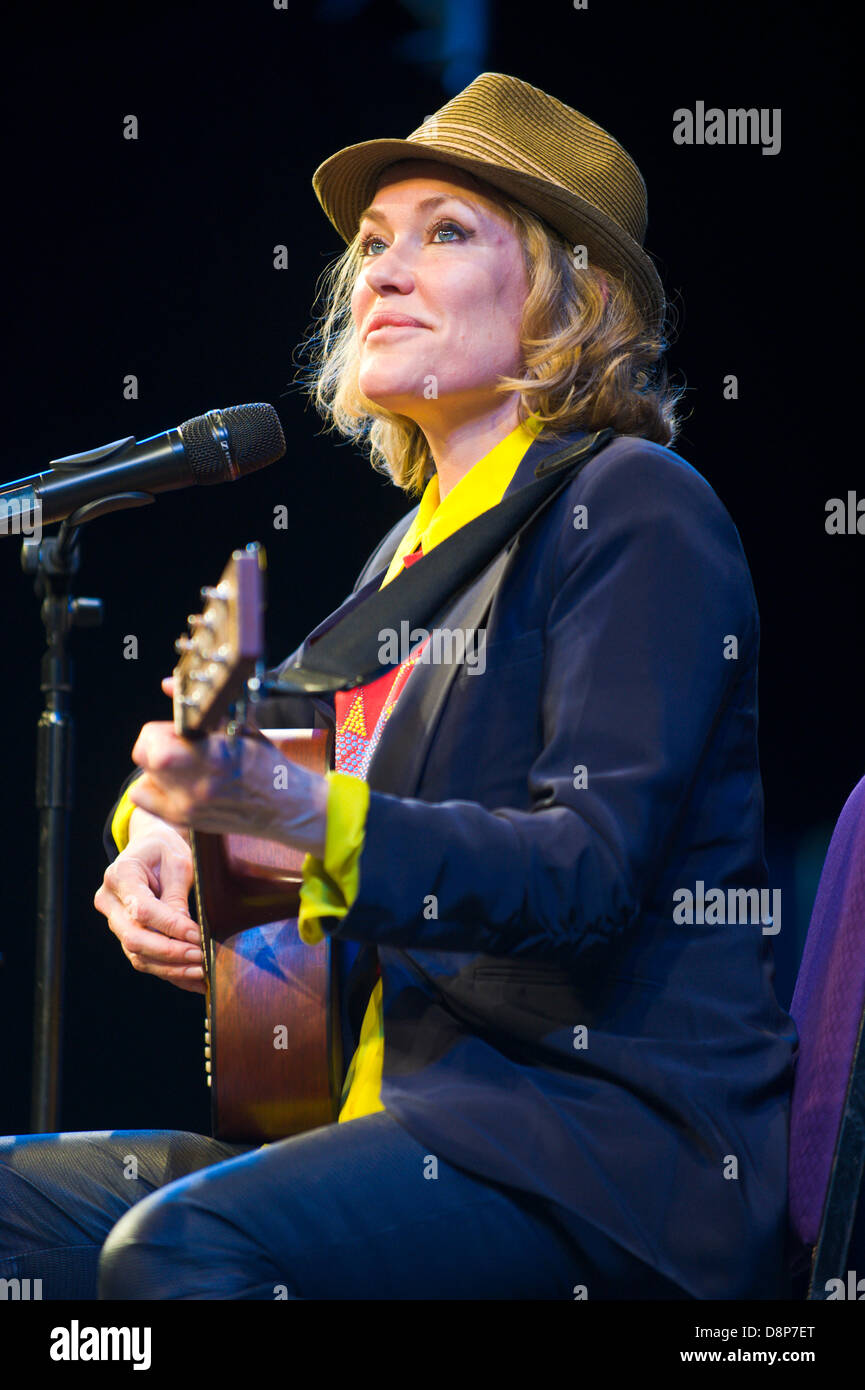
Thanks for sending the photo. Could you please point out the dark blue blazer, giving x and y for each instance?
(548, 1024)
(515, 902)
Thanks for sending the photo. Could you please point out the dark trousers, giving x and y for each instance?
(351, 1211)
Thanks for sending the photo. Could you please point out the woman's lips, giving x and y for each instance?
(392, 328)
(396, 323)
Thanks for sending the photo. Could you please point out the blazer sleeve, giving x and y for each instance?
(638, 671)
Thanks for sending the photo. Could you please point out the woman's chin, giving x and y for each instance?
(396, 396)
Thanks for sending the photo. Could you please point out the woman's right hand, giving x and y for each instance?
(145, 897)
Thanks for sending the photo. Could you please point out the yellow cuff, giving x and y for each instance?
(330, 885)
(120, 821)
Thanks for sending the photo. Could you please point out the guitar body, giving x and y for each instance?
(272, 1000)
(273, 1044)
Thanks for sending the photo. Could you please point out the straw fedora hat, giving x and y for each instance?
(531, 147)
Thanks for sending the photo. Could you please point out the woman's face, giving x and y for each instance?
(440, 254)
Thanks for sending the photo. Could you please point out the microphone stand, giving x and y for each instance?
(53, 561)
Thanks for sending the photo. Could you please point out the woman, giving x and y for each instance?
(560, 1088)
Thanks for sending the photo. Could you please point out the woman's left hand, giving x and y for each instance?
(243, 786)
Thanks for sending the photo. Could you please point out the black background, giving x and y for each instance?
(155, 257)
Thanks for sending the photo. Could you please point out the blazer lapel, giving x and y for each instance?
(384, 555)
(541, 448)
(397, 763)
(398, 760)
(336, 616)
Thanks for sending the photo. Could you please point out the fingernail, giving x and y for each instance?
(194, 937)
(194, 972)
(192, 954)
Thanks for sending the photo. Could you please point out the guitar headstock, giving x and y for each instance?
(224, 645)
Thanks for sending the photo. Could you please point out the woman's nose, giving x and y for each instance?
(390, 270)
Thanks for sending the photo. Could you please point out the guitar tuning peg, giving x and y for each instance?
(184, 644)
(197, 620)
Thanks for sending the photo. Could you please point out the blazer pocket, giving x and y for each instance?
(524, 973)
(640, 981)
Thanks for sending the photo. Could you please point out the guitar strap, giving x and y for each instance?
(347, 653)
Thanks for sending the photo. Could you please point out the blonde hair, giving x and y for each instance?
(589, 358)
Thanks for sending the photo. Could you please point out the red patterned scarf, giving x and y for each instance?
(362, 712)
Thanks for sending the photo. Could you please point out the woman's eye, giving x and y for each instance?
(451, 231)
(449, 227)
(367, 242)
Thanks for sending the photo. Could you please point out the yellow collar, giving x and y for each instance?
(482, 487)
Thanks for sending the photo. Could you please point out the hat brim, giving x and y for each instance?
(345, 185)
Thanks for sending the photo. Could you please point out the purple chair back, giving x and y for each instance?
(827, 1010)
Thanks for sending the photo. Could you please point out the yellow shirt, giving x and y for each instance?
(330, 885)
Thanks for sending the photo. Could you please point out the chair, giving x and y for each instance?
(827, 1120)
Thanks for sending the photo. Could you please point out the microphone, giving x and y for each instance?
(218, 447)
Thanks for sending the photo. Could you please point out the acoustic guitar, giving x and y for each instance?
(273, 1047)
